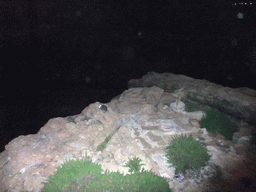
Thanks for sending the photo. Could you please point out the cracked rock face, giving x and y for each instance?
(140, 122)
(239, 102)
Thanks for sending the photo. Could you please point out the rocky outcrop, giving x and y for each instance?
(141, 122)
(239, 102)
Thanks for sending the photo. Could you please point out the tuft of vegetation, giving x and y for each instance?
(147, 181)
(134, 165)
(83, 175)
(71, 171)
(217, 122)
(190, 107)
(185, 152)
(103, 145)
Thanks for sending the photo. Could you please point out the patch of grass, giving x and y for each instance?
(83, 175)
(217, 122)
(71, 171)
(147, 181)
(185, 152)
(190, 107)
(103, 145)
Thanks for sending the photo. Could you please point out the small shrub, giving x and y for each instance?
(185, 152)
(134, 165)
(216, 122)
(146, 181)
(71, 171)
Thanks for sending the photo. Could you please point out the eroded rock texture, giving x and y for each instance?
(141, 122)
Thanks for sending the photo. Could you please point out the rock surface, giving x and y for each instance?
(239, 102)
(141, 123)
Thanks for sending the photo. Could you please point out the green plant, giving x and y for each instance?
(83, 175)
(103, 145)
(216, 122)
(71, 171)
(147, 181)
(189, 107)
(134, 165)
(185, 152)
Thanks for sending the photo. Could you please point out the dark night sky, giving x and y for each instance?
(57, 57)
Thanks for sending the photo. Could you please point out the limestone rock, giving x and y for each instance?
(239, 102)
(140, 122)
